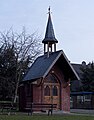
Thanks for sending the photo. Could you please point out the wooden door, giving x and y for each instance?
(52, 91)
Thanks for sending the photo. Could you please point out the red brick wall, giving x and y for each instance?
(37, 94)
(66, 98)
(64, 90)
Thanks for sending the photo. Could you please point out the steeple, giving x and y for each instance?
(49, 39)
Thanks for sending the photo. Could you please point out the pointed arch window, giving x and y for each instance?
(55, 91)
(47, 91)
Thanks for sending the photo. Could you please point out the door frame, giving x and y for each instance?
(50, 84)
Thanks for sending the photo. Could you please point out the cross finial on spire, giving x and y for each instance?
(49, 9)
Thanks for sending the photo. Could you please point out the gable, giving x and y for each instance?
(40, 67)
(43, 65)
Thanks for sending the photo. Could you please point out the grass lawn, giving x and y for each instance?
(45, 117)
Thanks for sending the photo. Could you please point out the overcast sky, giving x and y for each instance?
(73, 22)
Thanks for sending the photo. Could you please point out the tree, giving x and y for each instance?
(7, 72)
(88, 77)
(17, 52)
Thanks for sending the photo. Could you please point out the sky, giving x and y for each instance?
(73, 23)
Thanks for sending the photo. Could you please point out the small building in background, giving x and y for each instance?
(80, 99)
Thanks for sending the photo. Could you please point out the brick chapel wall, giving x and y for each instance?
(66, 99)
(64, 90)
(37, 94)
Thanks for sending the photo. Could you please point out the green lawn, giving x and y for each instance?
(45, 117)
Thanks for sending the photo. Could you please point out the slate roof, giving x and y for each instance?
(77, 68)
(76, 84)
(43, 65)
(49, 35)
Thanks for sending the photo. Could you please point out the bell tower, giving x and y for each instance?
(49, 40)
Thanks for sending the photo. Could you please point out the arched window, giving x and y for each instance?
(47, 91)
(54, 91)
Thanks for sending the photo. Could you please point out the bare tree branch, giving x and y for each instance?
(25, 46)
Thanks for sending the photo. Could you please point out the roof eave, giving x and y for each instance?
(76, 75)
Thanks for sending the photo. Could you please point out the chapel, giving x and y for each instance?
(48, 79)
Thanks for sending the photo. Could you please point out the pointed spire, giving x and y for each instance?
(49, 35)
